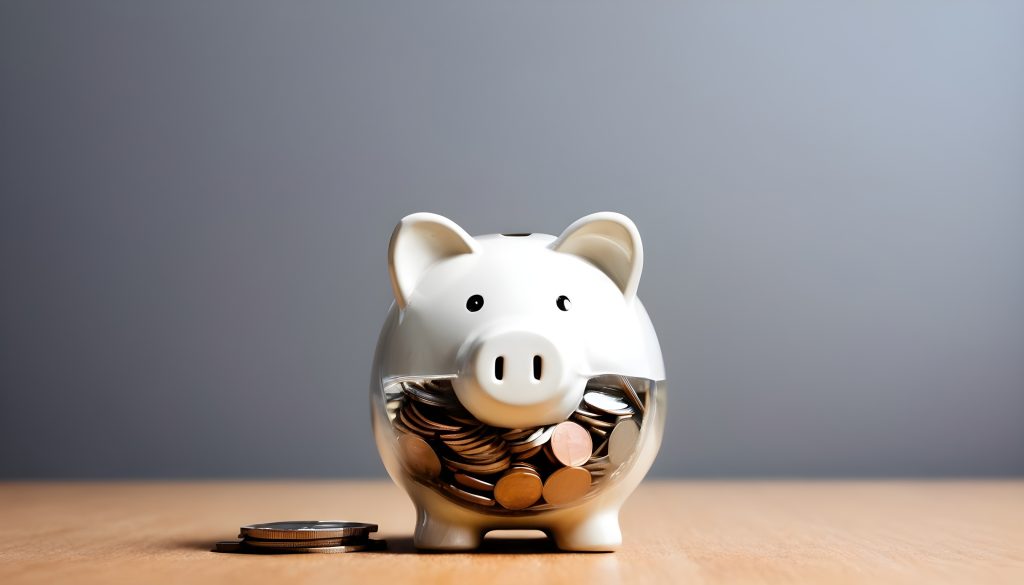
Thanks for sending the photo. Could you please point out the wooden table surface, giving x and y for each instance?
(675, 532)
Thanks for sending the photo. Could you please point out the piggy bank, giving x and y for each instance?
(518, 382)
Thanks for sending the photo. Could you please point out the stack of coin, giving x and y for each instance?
(612, 414)
(303, 536)
(443, 445)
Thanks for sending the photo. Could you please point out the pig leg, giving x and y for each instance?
(595, 533)
(435, 533)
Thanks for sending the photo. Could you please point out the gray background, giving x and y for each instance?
(197, 196)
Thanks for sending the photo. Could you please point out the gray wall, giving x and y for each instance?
(197, 196)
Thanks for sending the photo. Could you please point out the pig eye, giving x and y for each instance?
(563, 303)
(475, 303)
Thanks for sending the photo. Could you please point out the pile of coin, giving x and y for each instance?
(442, 444)
(303, 536)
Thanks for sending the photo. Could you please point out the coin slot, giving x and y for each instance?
(499, 368)
(538, 366)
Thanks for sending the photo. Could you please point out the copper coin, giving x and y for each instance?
(571, 444)
(419, 457)
(530, 453)
(518, 489)
(468, 432)
(517, 434)
(549, 455)
(593, 421)
(495, 447)
(566, 485)
(430, 422)
(482, 469)
(622, 441)
(525, 465)
(350, 541)
(473, 482)
(410, 422)
(469, 442)
(346, 548)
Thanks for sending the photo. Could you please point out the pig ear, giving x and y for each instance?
(420, 240)
(609, 241)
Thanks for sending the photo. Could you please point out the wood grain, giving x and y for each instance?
(675, 532)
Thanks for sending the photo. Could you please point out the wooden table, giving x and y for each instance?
(675, 532)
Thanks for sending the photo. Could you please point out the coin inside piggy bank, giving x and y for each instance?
(518, 381)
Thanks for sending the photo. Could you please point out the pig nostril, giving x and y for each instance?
(537, 365)
(499, 368)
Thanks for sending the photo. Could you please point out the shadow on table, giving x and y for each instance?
(491, 545)
(403, 545)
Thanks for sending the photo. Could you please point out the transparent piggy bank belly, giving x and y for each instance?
(428, 438)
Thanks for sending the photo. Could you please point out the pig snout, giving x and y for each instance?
(517, 367)
(518, 377)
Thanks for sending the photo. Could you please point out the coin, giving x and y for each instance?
(622, 441)
(566, 485)
(349, 541)
(528, 438)
(530, 453)
(467, 432)
(537, 439)
(468, 496)
(473, 482)
(307, 529)
(571, 444)
(431, 395)
(482, 469)
(633, 396)
(345, 548)
(440, 442)
(411, 422)
(419, 456)
(371, 544)
(526, 466)
(490, 450)
(606, 402)
(432, 422)
(518, 489)
(517, 434)
(593, 421)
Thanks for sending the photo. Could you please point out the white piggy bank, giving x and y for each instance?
(518, 382)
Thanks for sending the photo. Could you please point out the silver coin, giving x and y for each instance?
(632, 395)
(307, 529)
(594, 421)
(607, 403)
(622, 442)
(468, 496)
